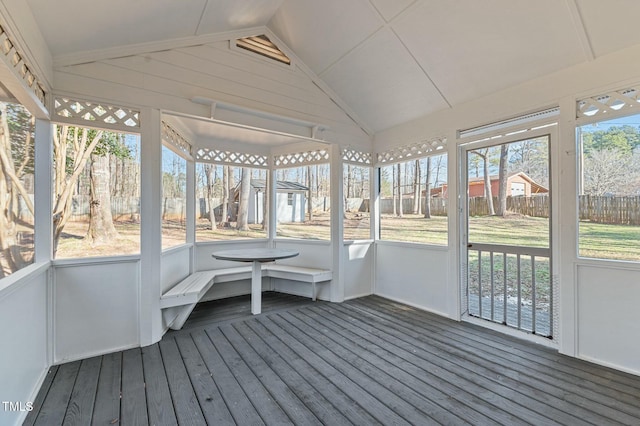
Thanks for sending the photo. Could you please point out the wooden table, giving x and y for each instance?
(256, 256)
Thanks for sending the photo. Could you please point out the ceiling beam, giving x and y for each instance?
(581, 30)
(141, 48)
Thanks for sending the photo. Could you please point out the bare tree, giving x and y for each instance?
(243, 205)
(227, 178)
(427, 190)
(209, 175)
(416, 188)
(502, 180)
(72, 149)
(310, 186)
(12, 190)
(487, 179)
(400, 213)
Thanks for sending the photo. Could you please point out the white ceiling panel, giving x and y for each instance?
(383, 83)
(389, 9)
(225, 15)
(610, 25)
(320, 32)
(472, 48)
(77, 26)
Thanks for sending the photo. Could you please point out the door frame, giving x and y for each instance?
(531, 130)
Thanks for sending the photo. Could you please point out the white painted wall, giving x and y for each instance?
(175, 266)
(95, 308)
(607, 310)
(413, 274)
(358, 269)
(24, 357)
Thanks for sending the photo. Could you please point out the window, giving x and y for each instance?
(309, 214)
(96, 209)
(357, 199)
(174, 198)
(222, 212)
(609, 189)
(413, 201)
(16, 188)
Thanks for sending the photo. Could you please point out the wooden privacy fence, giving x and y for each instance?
(594, 208)
(536, 206)
(612, 210)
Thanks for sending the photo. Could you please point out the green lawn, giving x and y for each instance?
(620, 242)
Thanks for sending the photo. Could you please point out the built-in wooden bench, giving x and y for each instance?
(184, 296)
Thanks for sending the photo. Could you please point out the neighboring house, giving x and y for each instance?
(518, 184)
(291, 201)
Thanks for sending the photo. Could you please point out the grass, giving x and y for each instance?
(602, 241)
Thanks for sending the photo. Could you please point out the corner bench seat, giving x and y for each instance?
(188, 292)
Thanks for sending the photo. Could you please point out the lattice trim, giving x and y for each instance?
(171, 135)
(417, 150)
(218, 156)
(603, 104)
(22, 69)
(96, 114)
(356, 157)
(300, 158)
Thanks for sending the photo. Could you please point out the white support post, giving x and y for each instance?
(272, 202)
(256, 288)
(564, 239)
(150, 317)
(337, 224)
(374, 212)
(43, 192)
(190, 211)
(454, 298)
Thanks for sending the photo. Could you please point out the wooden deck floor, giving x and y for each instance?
(367, 361)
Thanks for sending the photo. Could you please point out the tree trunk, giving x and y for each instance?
(487, 186)
(209, 170)
(416, 188)
(64, 184)
(400, 212)
(427, 190)
(243, 205)
(101, 229)
(225, 195)
(393, 189)
(487, 180)
(310, 186)
(502, 180)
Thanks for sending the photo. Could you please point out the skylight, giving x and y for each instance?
(261, 45)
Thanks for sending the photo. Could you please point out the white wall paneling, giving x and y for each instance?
(175, 266)
(358, 269)
(95, 307)
(413, 274)
(24, 318)
(607, 315)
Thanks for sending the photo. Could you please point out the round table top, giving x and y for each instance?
(254, 254)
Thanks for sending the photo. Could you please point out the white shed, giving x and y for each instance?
(291, 201)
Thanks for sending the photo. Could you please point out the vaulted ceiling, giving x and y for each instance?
(390, 61)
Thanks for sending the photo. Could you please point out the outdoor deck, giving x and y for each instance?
(367, 361)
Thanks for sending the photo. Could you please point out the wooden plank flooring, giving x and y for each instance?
(367, 361)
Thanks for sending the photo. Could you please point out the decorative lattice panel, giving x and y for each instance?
(17, 60)
(219, 156)
(406, 152)
(171, 135)
(603, 104)
(301, 158)
(96, 114)
(356, 157)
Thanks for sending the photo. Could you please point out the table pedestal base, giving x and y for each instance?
(256, 288)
